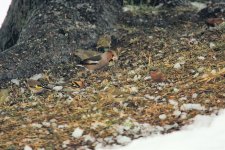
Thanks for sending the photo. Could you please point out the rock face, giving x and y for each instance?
(41, 34)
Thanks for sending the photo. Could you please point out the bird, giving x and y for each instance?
(214, 21)
(35, 86)
(99, 61)
(157, 75)
(104, 42)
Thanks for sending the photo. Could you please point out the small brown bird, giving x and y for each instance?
(157, 76)
(100, 61)
(104, 41)
(35, 86)
(214, 21)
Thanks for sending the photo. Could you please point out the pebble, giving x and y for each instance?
(36, 125)
(46, 124)
(191, 106)
(58, 88)
(133, 90)
(162, 116)
(147, 96)
(77, 133)
(36, 76)
(194, 96)
(15, 81)
(201, 58)
(177, 113)
(27, 147)
(177, 66)
(212, 45)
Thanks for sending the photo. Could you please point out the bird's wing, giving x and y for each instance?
(91, 61)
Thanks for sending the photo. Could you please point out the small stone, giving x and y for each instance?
(54, 125)
(183, 98)
(195, 75)
(162, 116)
(176, 90)
(133, 90)
(77, 133)
(36, 125)
(177, 113)
(191, 106)
(109, 139)
(27, 147)
(147, 78)
(147, 96)
(212, 45)
(46, 124)
(136, 78)
(173, 102)
(62, 126)
(89, 138)
(65, 143)
(194, 96)
(36, 76)
(177, 66)
(131, 72)
(15, 81)
(201, 58)
(213, 72)
(200, 69)
(58, 88)
(183, 115)
(53, 120)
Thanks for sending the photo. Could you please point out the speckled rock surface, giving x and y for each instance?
(47, 36)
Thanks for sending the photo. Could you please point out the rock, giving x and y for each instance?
(27, 147)
(77, 133)
(134, 90)
(177, 66)
(49, 39)
(190, 106)
(58, 88)
(162, 117)
(16, 81)
(177, 113)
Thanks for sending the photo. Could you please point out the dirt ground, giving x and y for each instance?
(171, 67)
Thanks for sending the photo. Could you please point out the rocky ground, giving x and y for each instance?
(171, 67)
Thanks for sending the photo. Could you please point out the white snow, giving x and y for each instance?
(77, 133)
(123, 139)
(206, 133)
(3, 9)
